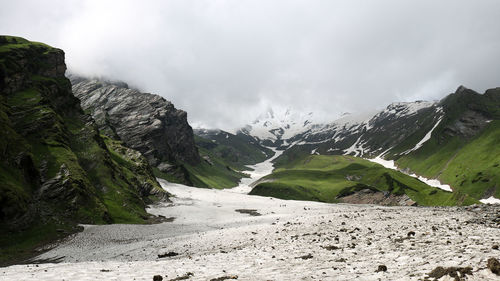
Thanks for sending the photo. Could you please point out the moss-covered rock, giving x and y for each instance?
(55, 167)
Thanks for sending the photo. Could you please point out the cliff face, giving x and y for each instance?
(55, 168)
(143, 121)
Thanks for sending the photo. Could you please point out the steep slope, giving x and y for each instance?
(152, 125)
(55, 169)
(328, 178)
(214, 171)
(145, 122)
(237, 150)
(463, 149)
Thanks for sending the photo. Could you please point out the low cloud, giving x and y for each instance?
(226, 61)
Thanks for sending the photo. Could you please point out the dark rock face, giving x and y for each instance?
(145, 122)
(54, 165)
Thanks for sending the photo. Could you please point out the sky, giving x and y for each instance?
(226, 61)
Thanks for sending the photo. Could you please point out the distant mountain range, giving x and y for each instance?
(454, 140)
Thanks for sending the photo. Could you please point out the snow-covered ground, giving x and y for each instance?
(258, 171)
(219, 233)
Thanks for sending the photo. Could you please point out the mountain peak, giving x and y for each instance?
(461, 88)
(279, 123)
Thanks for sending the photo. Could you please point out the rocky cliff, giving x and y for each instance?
(56, 169)
(145, 122)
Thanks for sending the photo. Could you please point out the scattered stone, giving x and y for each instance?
(183, 277)
(157, 278)
(222, 278)
(305, 257)
(411, 233)
(251, 212)
(105, 270)
(381, 268)
(457, 272)
(494, 265)
(169, 254)
(495, 247)
(330, 247)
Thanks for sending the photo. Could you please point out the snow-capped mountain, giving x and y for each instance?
(369, 133)
(277, 126)
(350, 134)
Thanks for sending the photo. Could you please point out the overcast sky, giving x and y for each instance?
(225, 62)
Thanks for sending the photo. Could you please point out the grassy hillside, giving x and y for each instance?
(324, 178)
(464, 150)
(236, 150)
(223, 160)
(472, 166)
(214, 172)
(211, 172)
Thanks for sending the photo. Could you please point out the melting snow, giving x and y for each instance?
(490, 200)
(354, 148)
(258, 171)
(425, 138)
(390, 165)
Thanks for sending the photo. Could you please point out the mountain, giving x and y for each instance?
(275, 127)
(453, 140)
(153, 126)
(238, 150)
(145, 122)
(56, 169)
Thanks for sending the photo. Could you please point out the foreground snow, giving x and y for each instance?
(289, 240)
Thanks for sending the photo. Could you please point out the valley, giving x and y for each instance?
(100, 180)
(223, 234)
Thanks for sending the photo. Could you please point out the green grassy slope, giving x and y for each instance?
(223, 160)
(214, 172)
(471, 166)
(236, 150)
(467, 160)
(324, 177)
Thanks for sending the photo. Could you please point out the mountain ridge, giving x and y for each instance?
(402, 130)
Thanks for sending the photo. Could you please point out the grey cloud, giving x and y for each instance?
(226, 61)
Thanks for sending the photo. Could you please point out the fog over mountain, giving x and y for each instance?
(226, 62)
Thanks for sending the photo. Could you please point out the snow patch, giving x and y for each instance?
(353, 148)
(258, 171)
(490, 200)
(390, 165)
(425, 138)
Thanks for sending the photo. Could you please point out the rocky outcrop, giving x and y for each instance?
(55, 168)
(145, 122)
(369, 196)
